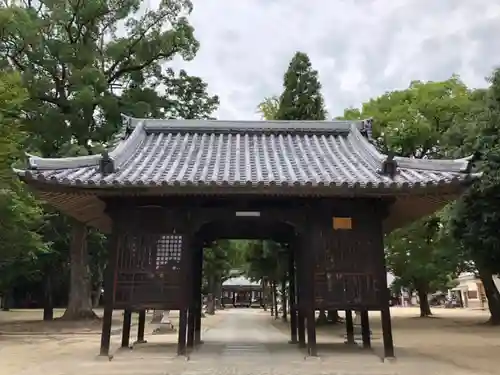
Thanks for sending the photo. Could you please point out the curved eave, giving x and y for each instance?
(437, 165)
(225, 187)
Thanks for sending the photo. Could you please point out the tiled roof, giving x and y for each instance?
(240, 281)
(254, 153)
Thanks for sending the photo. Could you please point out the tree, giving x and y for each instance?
(80, 73)
(219, 259)
(420, 121)
(301, 98)
(262, 260)
(269, 107)
(420, 261)
(20, 214)
(475, 219)
(426, 120)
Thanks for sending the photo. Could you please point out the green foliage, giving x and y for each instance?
(269, 107)
(476, 217)
(265, 259)
(20, 215)
(301, 98)
(420, 121)
(82, 64)
(80, 71)
(418, 257)
(222, 257)
(426, 120)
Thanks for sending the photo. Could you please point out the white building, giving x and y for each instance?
(472, 290)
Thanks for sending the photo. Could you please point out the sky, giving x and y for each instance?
(361, 48)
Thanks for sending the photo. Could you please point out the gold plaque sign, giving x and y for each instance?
(342, 223)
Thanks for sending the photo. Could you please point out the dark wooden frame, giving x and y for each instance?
(302, 223)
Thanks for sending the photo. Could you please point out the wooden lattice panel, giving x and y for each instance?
(149, 271)
(345, 270)
(169, 251)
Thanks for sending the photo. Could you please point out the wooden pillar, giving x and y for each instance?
(193, 303)
(191, 322)
(311, 332)
(181, 339)
(387, 332)
(301, 317)
(127, 322)
(349, 327)
(365, 329)
(199, 304)
(140, 327)
(292, 293)
(306, 290)
(385, 313)
(109, 295)
(310, 241)
(197, 324)
(301, 328)
(188, 252)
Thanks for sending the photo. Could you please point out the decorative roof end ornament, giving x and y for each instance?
(389, 166)
(106, 164)
(31, 162)
(127, 124)
(475, 157)
(366, 128)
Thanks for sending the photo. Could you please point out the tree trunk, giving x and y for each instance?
(210, 296)
(6, 301)
(275, 301)
(425, 309)
(98, 290)
(492, 295)
(284, 314)
(80, 299)
(217, 295)
(97, 296)
(210, 304)
(48, 307)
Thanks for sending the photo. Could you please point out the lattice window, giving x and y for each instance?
(168, 250)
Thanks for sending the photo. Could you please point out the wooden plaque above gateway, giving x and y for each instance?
(342, 223)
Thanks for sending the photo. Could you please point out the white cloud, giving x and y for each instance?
(361, 48)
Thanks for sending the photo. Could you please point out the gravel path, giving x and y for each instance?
(237, 341)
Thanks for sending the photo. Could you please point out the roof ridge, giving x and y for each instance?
(366, 146)
(124, 148)
(41, 163)
(206, 126)
(454, 165)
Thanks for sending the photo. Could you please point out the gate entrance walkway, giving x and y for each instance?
(246, 334)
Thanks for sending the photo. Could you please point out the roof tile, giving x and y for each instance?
(257, 153)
